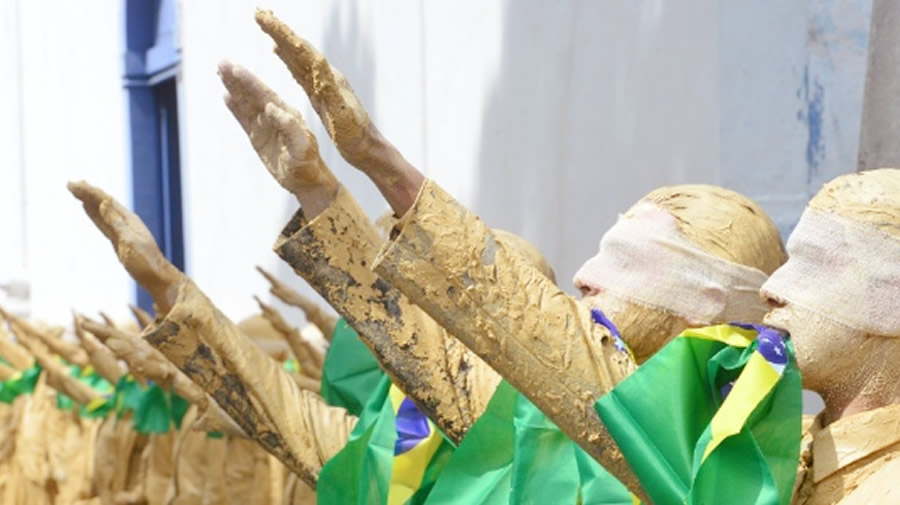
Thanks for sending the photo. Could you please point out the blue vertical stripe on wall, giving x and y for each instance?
(151, 64)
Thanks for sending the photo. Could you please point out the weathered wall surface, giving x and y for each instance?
(547, 118)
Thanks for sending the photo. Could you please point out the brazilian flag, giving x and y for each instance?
(714, 417)
(351, 374)
(21, 383)
(98, 407)
(153, 409)
(514, 454)
(393, 456)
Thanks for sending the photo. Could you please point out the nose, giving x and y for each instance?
(586, 289)
(771, 299)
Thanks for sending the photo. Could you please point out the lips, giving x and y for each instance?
(772, 320)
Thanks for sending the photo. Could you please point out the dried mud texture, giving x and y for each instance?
(104, 361)
(16, 355)
(852, 459)
(197, 473)
(871, 197)
(57, 374)
(721, 222)
(314, 314)
(70, 351)
(10, 420)
(154, 472)
(295, 426)
(147, 363)
(117, 445)
(31, 467)
(311, 360)
(334, 253)
(6, 372)
(541, 340)
(72, 441)
(346, 120)
(143, 318)
(297, 492)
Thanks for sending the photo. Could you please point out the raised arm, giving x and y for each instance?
(71, 352)
(345, 118)
(311, 359)
(314, 314)
(334, 250)
(105, 362)
(293, 425)
(446, 260)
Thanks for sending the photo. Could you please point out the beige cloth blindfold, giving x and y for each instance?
(647, 260)
(842, 270)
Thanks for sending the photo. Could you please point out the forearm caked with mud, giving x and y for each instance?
(334, 252)
(295, 426)
(540, 339)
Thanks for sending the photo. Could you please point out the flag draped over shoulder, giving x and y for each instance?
(515, 454)
(393, 457)
(480, 471)
(714, 417)
(548, 467)
(351, 374)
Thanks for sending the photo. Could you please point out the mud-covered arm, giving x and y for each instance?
(480, 292)
(19, 358)
(333, 252)
(540, 339)
(310, 358)
(69, 351)
(250, 387)
(57, 375)
(293, 424)
(314, 314)
(104, 361)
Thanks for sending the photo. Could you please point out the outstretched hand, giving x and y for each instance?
(133, 242)
(345, 118)
(280, 137)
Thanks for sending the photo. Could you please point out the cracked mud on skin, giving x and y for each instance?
(333, 252)
(253, 389)
(483, 292)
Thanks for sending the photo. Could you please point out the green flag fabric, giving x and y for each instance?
(714, 417)
(351, 374)
(480, 471)
(21, 383)
(514, 454)
(154, 410)
(548, 467)
(393, 457)
(99, 407)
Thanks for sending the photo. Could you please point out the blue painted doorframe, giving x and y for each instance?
(152, 59)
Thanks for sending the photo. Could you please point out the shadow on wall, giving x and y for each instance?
(585, 117)
(576, 128)
(348, 47)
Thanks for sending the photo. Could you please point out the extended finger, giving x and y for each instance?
(294, 132)
(240, 99)
(295, 52)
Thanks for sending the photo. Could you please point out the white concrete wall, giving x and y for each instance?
(63, 119)
(547, 122)
(547, 118)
